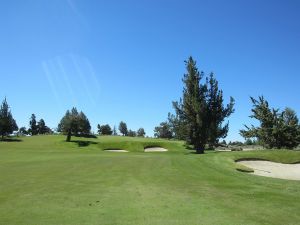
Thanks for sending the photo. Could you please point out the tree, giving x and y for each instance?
(141, 132)
(115, 131)
(177, 124)
(7, 123)
(42, 128)
(104, 129)
(200, 113)
(131, 133)
(277, 129)
(123, 128)
(33, 128)
(217, 113)
(74, 123)
(84, 127)
(23, 131)
(163, 131)
(99, 129)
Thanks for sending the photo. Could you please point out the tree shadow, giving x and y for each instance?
(85, 135)
(10, 140)
(84, 143)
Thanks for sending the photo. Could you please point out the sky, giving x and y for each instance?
(124, 60)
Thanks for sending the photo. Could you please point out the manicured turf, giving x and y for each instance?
(45, 180)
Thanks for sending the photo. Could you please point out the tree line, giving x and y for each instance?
(106, 130)
(76, 123)
(199, 118)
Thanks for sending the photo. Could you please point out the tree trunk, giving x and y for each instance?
(69, 136)
(199, 149)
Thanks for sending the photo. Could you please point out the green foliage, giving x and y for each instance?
(277, 129)
(123, 128)
(141, 132)
(42, 128)
(33, 128)
(7, 123)
(104, 129)
(115, 131)
(23, 131)
(164, 130)
(131, 133)
(217, 112)
(200, 113)
(74, 123)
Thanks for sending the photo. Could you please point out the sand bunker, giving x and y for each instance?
(272, 169)
(115, 150)
(155, 149)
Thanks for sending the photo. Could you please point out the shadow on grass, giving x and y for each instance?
(86, 135)
(84, 143)
(10, 140)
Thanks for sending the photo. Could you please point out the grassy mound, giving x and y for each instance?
(137, 144)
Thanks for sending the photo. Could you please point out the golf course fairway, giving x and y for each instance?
(45, 180)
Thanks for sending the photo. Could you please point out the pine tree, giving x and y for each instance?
(217, 112)
(123, 128)
(115, 131)
(200, 113)
(42, 127)
(105, 130)
(74, 123)
(277, 129)
(141, 132)
(7, 123)
(163, 131)
(33, 126)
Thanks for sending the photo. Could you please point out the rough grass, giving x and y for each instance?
(45, 180)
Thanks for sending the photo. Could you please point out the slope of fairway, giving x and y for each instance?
(45, 180)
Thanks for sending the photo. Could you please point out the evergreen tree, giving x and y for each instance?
(74, 123)
(177, 124)
(33, 126)
(131, 133)
(84, 127)
(7, 123)
(277, 129)
(217, 113)
(123, 128)
(141, 132)
(23, 131)
(200, 113)
(115, 131)
(42, 128)
(105, 130)
(99, 129)
(164, 130)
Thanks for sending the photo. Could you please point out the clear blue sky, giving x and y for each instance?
(124, 60)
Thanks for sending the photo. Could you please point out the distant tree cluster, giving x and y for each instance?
(106, 130)
(36, 127)
(164, 130)
(200, 113)
(74, 123)
(7, 123)
(278, 129)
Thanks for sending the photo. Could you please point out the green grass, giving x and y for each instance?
(45, 180)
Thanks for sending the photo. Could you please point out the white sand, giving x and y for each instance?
(115, 150)
(156, 149)
(272, 169)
